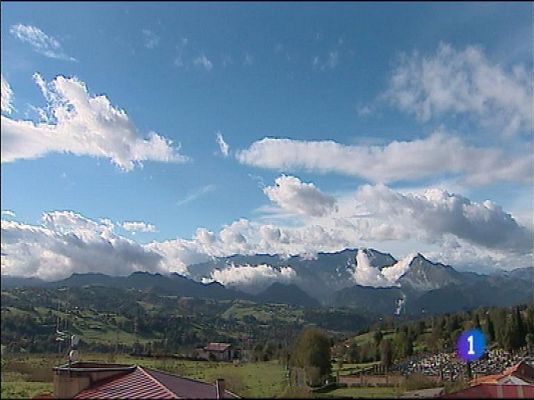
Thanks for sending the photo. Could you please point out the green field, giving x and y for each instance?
(24, 390)
(363, 392)
(25, 376)
(349, 369)
(29, 375)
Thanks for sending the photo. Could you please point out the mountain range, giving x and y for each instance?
(363, 279)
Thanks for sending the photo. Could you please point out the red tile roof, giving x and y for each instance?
(492, 391)
(144, 383)
(134, 385)
(522, 370)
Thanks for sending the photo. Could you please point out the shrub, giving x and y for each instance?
(419, 381)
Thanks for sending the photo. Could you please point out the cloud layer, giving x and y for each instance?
(438, 213)
(434, 156)
(462, 232)
(463, 82)
(67, 242)
(81, 124)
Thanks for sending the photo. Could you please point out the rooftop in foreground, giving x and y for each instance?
(93, 380)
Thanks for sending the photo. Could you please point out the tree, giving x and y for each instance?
(490, 329)
(353, 353)
(403, 345)
(520, 329)
(477, 321)
(421, 326)
(312, 352)
(378, 337)
(408, 346)
(386, 353)
(529, 339)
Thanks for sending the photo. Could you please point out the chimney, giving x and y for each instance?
(219, 386)
(69, 380)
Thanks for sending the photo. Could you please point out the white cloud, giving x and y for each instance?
(42, 43)
(82, 125)
(295, 196)
(462, 254)
(196, 194)
(448, 228)
(9, 213)
(366, 275)
(67, 242)
(134, 226)
(436, 155)
(203, 61)
(439, 213)
(395, 271)
(151, 40)
(253, 277)
(463, 82)
(223, 146)
(7, 97)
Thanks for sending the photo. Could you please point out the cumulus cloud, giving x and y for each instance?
(253, 277)
(134, 227)
(395, 271)
(80, 124)
(462, 82)
(9, 213)
(436, 155)
(366, 275)
(41, 43)
(7, 97)
(439, 213)
(67, 242)
(204, 62)
(151, 40)
(292, 195)
(223, 146)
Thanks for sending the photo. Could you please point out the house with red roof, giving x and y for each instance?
(92, 380)
(516, 382)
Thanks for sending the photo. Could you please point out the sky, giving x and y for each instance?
(152, 136)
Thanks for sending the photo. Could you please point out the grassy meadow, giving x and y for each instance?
(24, 376)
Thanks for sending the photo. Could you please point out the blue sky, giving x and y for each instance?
(304, 72)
